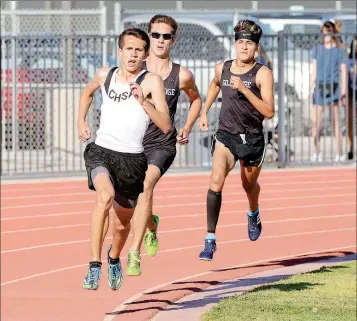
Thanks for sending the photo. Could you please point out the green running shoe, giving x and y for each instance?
(133, 266)
(151, 242)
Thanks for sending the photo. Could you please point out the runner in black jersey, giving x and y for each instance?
(247, 98)
(160, 148)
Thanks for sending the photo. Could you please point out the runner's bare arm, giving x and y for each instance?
(212, 94)
(188, 85)
(213, 89)
(86, 100)
(158, 111)
(88, 93)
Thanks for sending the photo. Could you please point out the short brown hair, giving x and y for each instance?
(136, 32)
(160, 18)
(249, 26)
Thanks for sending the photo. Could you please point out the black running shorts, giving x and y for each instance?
(250, 148)
(127, 171)
(161, 158)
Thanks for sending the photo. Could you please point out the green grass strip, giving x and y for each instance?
(328, 294)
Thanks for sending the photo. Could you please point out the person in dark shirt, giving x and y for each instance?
(159, 147)
(247, 99)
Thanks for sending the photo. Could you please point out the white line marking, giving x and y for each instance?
(133, 298)
(187, 174)
(266, 199)
(169, 231)
(46, 196)
(46, 245)
(45, 228)
(179, 216)
(182, 230)
(183, 204)
(176, 249)
(269, 191)
(263, 185)
(176, 182)
(264, 222)
(44, 215)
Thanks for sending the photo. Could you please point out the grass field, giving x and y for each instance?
(328, 294)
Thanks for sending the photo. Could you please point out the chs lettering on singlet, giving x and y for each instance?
(123, 121)
(117, 97)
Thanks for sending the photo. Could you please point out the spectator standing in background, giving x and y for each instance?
(261, 57)
(328, 86)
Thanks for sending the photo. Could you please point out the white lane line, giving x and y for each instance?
(164, 182)
(180, 216)
(180, 249)
(177, 231)
(182, 204)
(189, 229)
(269, 191)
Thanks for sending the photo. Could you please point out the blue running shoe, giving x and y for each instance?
(254, 226)
(91, 281)
(115, 273)
(208, 251)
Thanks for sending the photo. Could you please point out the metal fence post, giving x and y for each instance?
(103, 31)
(281, 101)
(117, 18)
(14, 83)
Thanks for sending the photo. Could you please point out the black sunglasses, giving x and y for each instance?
(166, 36)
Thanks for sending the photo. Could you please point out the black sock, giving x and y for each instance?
(113, 261)
(214, 201)
(96, 264)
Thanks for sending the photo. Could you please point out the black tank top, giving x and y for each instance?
(154, 137)
(238, 116)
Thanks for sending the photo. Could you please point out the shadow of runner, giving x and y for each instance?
(156, 300)
(325, 269)
(293, 261)
(287, 287)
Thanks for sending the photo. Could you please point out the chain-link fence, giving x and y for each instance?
(42, 79)
(53, 22)
(205, 38)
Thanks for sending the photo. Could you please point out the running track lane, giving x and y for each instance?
(307, 214)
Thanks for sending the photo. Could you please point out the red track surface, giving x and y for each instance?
(306, 214)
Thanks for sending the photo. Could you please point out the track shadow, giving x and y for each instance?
(325, 269)
(290, 262)
(225, 289)
(199, 282)
(129, 311)
(289, 287)
(192, 289)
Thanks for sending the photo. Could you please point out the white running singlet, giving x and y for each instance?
(123, 121)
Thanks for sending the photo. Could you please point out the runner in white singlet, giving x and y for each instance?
(115, 162)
